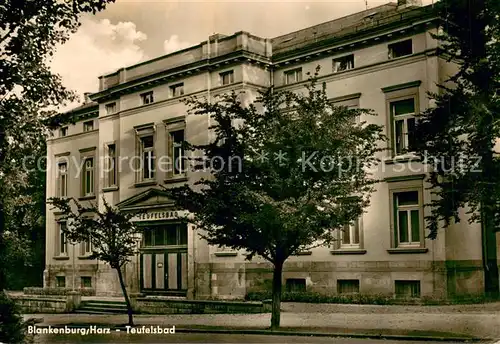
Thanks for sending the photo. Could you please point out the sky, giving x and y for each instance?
(129, 31)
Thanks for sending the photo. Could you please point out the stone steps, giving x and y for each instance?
(102, 307)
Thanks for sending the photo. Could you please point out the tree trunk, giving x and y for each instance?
(3, 265)
(490, 264)
(127, 300)
(276, 307)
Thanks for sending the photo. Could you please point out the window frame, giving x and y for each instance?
(57, 281)
(174, 88)
(112, 165)
(61, 240)
(406, 186)
(82, 284)
(152, 227)
(405, 133)
(229, 74)
(88, 126)
(336, 62)
(298, 77)
(63, 131)
(171, 126)
(390, 49)
(340, 281)
(407, 282)
(112, 106)
(351, 228)
(150, 159)
(142, 132)
(88, 174)
(397, 93)
(147, 98)
(62, 179)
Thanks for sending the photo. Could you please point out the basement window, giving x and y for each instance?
(348, 286)
(295, 285)
(407, 289)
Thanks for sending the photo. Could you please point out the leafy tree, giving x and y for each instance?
(113, 237)
(30, 30)
(282, 177)
(458, 135)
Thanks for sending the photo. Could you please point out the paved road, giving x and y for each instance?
(123, 337)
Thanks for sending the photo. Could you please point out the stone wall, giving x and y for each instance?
(41, 304)
(168, 306)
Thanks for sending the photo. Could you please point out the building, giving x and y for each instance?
(383, 59)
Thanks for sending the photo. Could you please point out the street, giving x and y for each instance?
(122, 337)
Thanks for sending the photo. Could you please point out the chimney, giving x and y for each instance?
(409, 3)
(86, 97)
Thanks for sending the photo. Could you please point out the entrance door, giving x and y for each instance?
(164, 259)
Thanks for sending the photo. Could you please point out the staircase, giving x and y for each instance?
(102, 307)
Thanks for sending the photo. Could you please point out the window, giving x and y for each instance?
(293, 76)
(177, 90)
(86, 247)
(148, 157)
(177, 139)
(63, 132)
(110, 108)
(147, 98)
(347, 286)
(62, 243)
(400, 49)
(350, 235)
(88, 177)
(62, 179)
(295, 285)
(343, 63)
(88, 126)
(403, 117)
(112, 167)
(61, 281)
(86, 282)
(227, 78)
(407, 218)
(165, 235)
(407, 289)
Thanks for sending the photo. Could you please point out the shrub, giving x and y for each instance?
(12, 326)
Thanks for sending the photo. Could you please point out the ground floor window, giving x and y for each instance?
(86, 282)
(61, 281)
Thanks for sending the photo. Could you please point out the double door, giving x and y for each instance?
(164, 271)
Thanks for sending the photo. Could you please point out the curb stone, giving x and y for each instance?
(292, 333)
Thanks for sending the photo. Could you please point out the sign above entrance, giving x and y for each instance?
(160, 215)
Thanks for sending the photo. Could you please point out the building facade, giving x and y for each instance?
(382, 59)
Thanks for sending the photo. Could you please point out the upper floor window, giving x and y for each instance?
(86, 247)
(148, 157)
(403, 118)
(177, 139)
(112, 165)
(88, 177)
(407, 218)
(400, 49)
(147, 98)
(63, 132)
(227, 78)
(292, 76)
(343, 63)
(350, 235)
(88, 126)
(177, 90)
(110, 108)
(62, 179)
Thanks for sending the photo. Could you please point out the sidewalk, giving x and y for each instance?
(468, 321)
